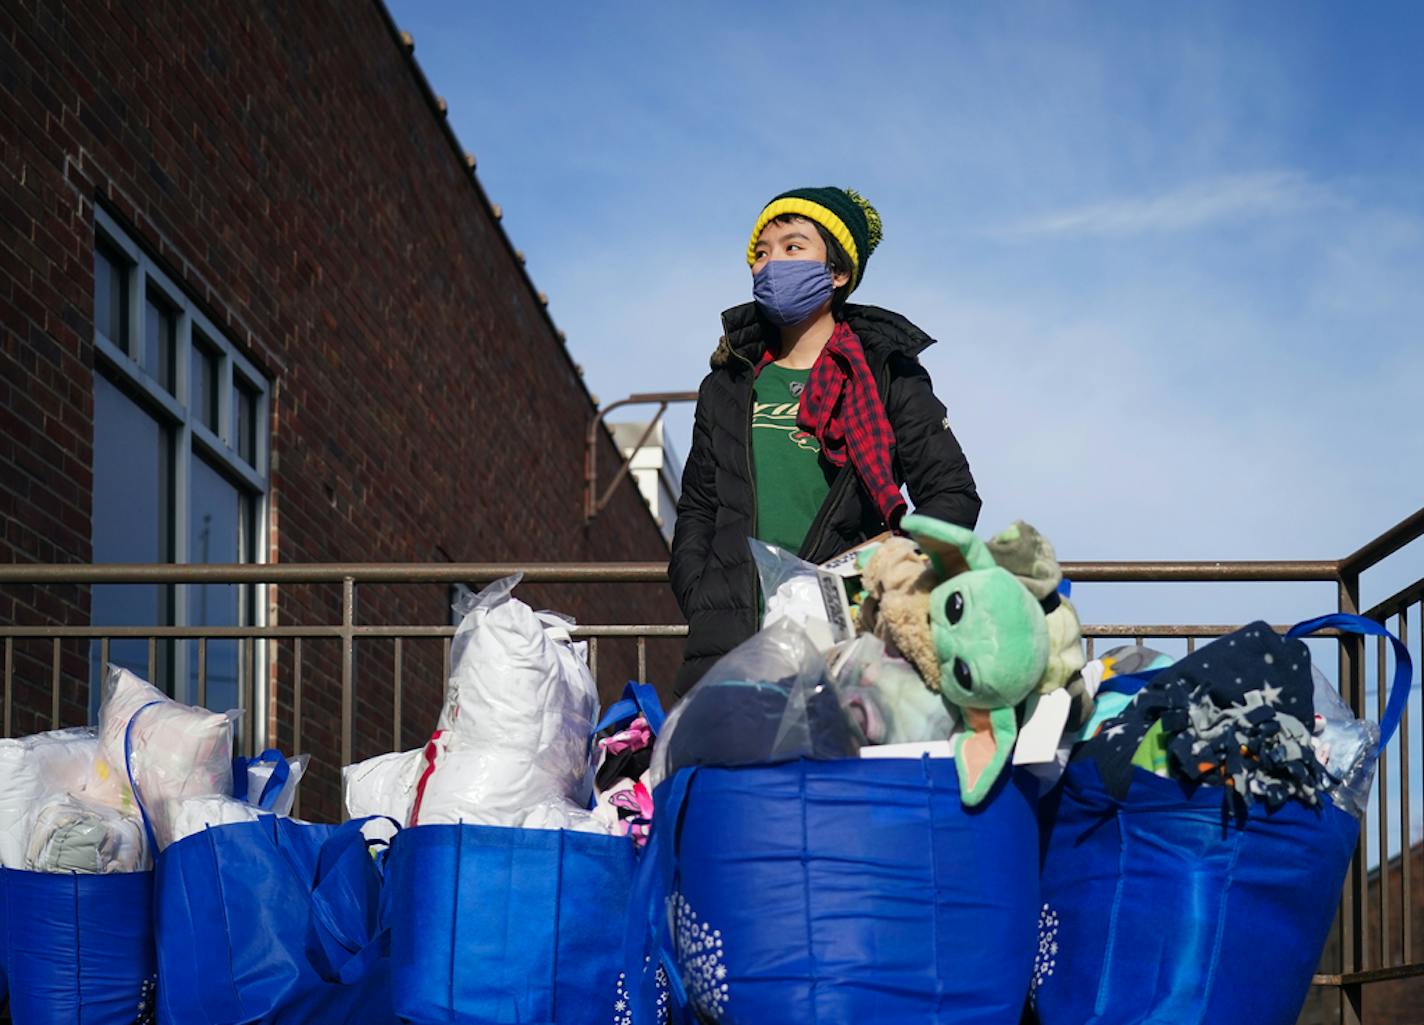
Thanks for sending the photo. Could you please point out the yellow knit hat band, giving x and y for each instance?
(812, 211)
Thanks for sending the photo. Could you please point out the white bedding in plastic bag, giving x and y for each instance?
(195, 814)
(72, 835)
(33, 770)
(383, 785)
(513, 736)
(496, 787)
(178, 751)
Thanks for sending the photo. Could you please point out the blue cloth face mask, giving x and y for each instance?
(789, 291)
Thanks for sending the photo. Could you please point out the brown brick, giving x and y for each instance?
(285, 167)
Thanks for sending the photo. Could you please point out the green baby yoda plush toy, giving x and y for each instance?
(976, 632)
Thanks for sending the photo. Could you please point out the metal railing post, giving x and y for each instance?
(1355, 900)
(348, 651)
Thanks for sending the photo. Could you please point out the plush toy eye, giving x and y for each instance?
(954, 608)
(962, 675)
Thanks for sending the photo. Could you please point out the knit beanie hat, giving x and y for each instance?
(845, 213)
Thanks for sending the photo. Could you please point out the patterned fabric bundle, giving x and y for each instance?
(1231, 714)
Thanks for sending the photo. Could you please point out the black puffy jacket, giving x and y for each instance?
(711, 569)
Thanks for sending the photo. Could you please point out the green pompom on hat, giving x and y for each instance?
(845, 213)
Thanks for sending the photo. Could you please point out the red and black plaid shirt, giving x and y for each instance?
(841, 406)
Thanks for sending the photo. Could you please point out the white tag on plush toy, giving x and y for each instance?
(1040, 736)
(932, 748)
(847, 564)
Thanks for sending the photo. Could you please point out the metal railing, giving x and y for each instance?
(287, 692)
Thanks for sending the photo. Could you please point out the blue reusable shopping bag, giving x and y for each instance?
(272, 921)
(491, 924)
(1160, 910)
(838, 891)
(272, 789)
(76, 948)
(267, 922)
(4, 937)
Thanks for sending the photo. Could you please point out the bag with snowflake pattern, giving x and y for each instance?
(502, 925)
(1156, 906)
(837, 891)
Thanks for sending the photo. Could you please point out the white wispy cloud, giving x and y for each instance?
(1192, 206)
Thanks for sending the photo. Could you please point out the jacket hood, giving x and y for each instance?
(882, 332)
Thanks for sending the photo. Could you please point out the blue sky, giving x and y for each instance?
(1173, 262)
(1173, 253)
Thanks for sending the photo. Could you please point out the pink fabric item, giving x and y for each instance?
(637, 800)
(636, 737)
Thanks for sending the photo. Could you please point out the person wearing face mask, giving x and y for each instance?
(815, 414)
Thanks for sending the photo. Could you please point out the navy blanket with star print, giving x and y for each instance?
(1237, 712)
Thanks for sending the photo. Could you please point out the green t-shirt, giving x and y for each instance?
(791, 479)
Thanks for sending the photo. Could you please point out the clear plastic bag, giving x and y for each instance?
(196, 814)
(521, 704)
(885, 696)
(765, 701)
(383, 785)
(178, 751)
(34, 770)
(1346, 746)
(72, 835)
(803, 593)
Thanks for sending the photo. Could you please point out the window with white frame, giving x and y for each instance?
(180, 471)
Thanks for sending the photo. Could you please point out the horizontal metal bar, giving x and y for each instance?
(1150, 632)
(1128, 631)
(1397, 602)
(582, 572)
(309, 632)
(1390, 974)
(1407, 530)
(661, 396)
(1204, 572)
(334, 573)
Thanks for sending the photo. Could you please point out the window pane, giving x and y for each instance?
(159, 331)
(131, 523)
(244, 423)
(111, 293)
(215, 535)
(203, 383)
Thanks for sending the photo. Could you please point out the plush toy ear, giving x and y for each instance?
(1028, 555)
(952, 549)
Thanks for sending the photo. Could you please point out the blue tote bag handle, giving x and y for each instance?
(345, 937)
(272, 789)
(647, 941)
(638, 699)
(133, 784)
(1403, 666)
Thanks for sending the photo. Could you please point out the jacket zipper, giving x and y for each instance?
(845, 478)
(751, 469)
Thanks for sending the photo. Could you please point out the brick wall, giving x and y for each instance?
(285, 163)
